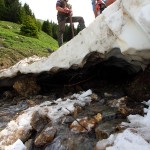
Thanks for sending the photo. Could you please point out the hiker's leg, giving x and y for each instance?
(80, 20)
(61, 30)
(95, 13)
(93, 7)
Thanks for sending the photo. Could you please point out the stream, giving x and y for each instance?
(65, 138)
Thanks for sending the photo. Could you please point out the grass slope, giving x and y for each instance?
(14, 47)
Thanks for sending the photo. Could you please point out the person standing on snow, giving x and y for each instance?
(99, 5)
(64, 16)
(93, 7)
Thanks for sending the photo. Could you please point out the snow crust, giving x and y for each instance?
(124, 24)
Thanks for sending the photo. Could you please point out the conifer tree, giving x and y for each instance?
(2, 10)
(29, 27)
(27, 10)
(12, 11)
(46, 27)
(39, 25)
(68, 33)
(54, 30)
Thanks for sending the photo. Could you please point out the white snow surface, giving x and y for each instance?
(135, 137)
(124, 24)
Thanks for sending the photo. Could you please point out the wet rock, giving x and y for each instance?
(94, 97)
(80, 143)
(38, 121)
(2, 125)
(125, 111)
(67, 119)
(31, 103)
(71, 143)
(105, 129)
(94, 109)
(29, 144)
(26, 86)
(4, 120)
(77, 110)
(118, 102)
(109, 113)
(98, 117)
(46, 136)
(85, 124)
(56, 145)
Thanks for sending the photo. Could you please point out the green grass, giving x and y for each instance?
(14, 47)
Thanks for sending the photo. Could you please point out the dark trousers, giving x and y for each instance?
(61, 26)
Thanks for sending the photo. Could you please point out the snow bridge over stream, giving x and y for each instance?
(119, 37)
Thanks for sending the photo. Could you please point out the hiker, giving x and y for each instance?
(93, 7)
(64, 15)
(99, 7)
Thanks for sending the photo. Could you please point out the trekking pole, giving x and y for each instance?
(71, 24)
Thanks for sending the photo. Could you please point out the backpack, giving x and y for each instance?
(100, 6)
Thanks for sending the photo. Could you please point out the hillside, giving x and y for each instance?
(14, 47)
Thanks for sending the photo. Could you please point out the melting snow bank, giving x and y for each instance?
(125, 25)
(21, 64)
(135, 137)
(20, 128)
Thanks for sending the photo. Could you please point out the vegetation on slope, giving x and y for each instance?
(14, 46)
